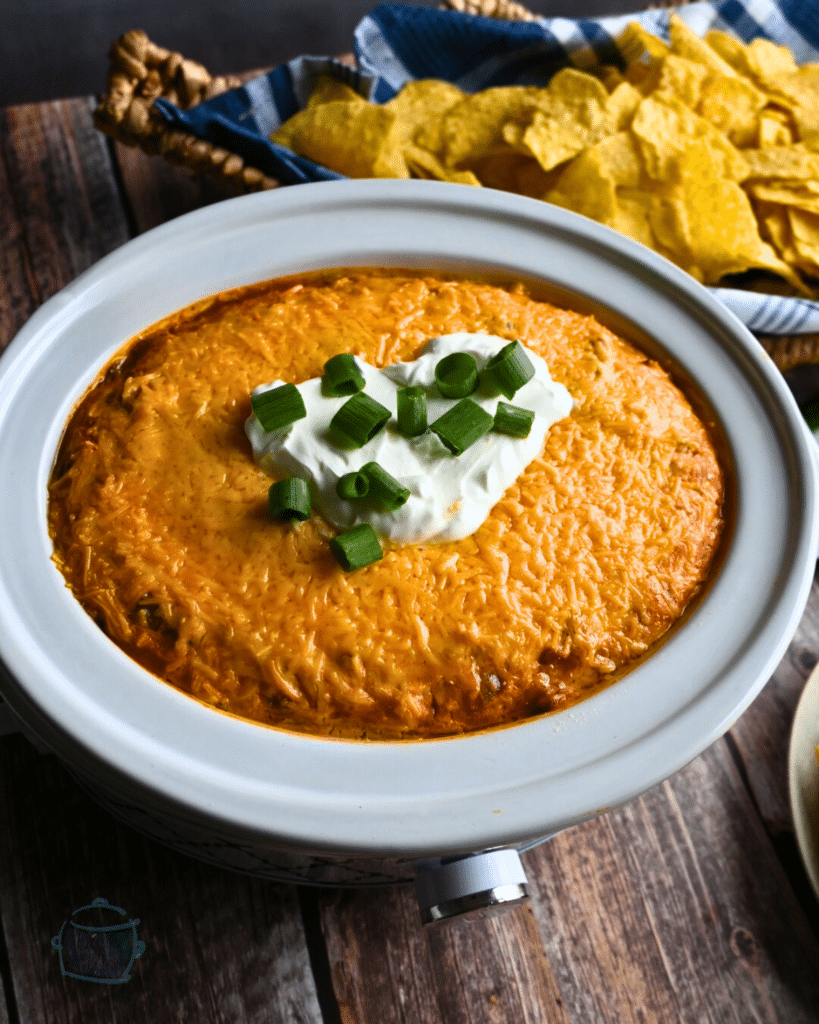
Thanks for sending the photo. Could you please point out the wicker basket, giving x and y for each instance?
(140, 72)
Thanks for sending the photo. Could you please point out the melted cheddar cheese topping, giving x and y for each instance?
(158, 515)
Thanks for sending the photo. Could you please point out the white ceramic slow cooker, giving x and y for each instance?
(334, 811)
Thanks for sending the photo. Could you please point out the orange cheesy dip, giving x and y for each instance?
(159, 519)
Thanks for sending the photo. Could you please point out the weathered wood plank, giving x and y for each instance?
(221, 948)
(675, 908)
(761, 735)
(17, 287)
(387, 968)
(157, 191)
(64, 191)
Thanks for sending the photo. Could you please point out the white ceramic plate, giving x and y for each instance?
(143, 741)
(803, 777)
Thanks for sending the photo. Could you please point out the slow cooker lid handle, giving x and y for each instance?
(472, 887)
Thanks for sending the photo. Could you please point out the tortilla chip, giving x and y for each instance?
(351, 137)
(665, 128)
(686, 43)
(782, 162)
(681, 77)
(717, 229)
(761, 60)
(327, 88)
(590, 183)
(775, 228)
(500, 170)
(642, 51)
(805, 234)
(622, 104)
(419, 104)
(423, 164)
(798, 91)
(786, 193)
(610, 76)
(773, 129)
(473, 127)
(732, 105)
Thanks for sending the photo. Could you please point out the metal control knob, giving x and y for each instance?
(476, 886)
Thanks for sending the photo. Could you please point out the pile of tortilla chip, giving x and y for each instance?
(706, 150)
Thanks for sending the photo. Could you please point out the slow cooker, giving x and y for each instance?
(453, 812)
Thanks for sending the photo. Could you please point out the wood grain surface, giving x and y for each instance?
(686, 906)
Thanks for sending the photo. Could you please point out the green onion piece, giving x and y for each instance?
(352, 486)
(385, 488)
(278, 407)
(512, 420)
(457, 375)
(509, 369)
(357, 547)
(412, 411)
(462, 425)
(360, 419)
(289, 499)
(342, 375)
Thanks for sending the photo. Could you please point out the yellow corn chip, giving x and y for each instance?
(782, 162)
(642, 52)
(327, 88)
(500, 170)
(773, 129)
(591, 183)
(473, 127)
(610, 76)
(775, 228)
(715, 221)
(348, 136)
(681, 77)
(799, 92)
(786, 193)
(423, 164)
(686, 43)
(805, 234)
(761, 60)
(732, 106)
(665, 128)
(419, 104)
(622, 104)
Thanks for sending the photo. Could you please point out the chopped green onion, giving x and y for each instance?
(385, 488)
(509, 369)
(462, 425)
(512, 420)
(352, 486)
(360, 419)
(289, 499)
(342, 375)
(357, 547)
(278, 407)
(457, 375)
(412, 411)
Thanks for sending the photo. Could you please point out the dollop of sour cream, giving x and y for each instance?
(450, 496)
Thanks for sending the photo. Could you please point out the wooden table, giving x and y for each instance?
(689, 904)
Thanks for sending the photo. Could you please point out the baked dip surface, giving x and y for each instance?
(159, 519)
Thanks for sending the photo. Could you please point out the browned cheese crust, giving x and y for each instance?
(159, 520)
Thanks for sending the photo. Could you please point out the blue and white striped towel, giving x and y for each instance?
(397, 43)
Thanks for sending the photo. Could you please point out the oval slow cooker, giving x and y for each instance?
(326, 811)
